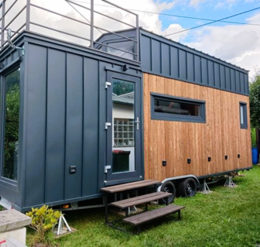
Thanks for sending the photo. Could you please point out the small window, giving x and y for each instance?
(177, 109)
(123, 132)
(122, 49)
(243, 115)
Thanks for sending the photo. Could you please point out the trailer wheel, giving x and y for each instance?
(187, 188)
(170, 188)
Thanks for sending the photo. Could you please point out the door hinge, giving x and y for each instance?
(108, 84)
(107, 168)
(107, 125)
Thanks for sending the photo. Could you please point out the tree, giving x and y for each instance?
(255, 101)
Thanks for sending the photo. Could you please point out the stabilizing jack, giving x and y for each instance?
(62, 222)
(229, 182)
(204, 188)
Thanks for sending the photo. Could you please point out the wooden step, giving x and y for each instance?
(153, 214)
(130, 186)
(138, 200)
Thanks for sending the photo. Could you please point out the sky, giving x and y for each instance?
(238, 44)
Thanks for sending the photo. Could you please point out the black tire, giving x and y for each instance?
(170, 188)
(187, 187)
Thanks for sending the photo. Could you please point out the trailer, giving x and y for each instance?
(128, 106)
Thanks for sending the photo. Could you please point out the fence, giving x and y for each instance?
(78, 23)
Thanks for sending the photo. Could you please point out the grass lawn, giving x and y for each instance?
(226, 217)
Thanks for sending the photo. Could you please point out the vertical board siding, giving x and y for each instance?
(211, 73)
(174, 62)
(36, 113)
(228, 82)
(175, 141)
(217, 75)
(74, 125)
(91, 109)
(146, 53)
(187, 64)
(190, 66)
(204, 69)
(197, 67)
(233, 80)
(156, 56)
(66, 101)
(182, 65)
(55, 136)
(165, 59)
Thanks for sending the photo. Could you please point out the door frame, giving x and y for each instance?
(138, 174)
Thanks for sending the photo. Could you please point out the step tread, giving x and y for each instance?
(153, 214)
(130, 186)
(134, 201)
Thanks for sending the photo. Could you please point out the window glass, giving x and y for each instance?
(243, 115)
(11, 126)
(177, 109)
(123, 126)
(125, 47)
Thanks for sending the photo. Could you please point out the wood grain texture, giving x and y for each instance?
(176, 142)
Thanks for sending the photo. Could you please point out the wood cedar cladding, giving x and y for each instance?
(176, 142)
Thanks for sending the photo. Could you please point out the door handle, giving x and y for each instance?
(137, 123)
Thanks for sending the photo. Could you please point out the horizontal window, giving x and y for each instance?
(170, 108)
(243, 115)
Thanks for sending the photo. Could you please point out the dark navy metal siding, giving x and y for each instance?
(65, 115)
(186, 64)
(12, 191)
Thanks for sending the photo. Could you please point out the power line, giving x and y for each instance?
(172, 15)
(225, 18)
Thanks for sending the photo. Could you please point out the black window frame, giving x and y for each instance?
(5, 72)
(178, 117)
(245, 124)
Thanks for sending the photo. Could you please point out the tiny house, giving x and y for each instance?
(131, 106)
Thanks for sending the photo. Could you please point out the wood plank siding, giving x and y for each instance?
(175, 142)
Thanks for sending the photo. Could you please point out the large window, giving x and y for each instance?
(11, 124)
(243, 115)
(170, 108)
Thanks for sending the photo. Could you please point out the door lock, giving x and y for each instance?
(137, 123)
(107, 168)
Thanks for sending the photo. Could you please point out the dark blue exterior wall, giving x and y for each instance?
(63, 119)
(167, 58)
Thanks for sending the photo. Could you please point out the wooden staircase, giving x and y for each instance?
(147, 198)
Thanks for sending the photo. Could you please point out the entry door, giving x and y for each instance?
(124, 129)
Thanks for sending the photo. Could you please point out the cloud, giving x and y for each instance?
(196, 3)
(237, 44)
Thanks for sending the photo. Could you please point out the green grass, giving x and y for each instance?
(226, 217)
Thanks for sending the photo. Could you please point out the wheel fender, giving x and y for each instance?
(172, 179)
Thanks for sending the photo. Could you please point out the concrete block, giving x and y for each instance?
(12, 219)
(19, 235)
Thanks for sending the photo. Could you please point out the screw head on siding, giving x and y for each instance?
(188, 161)
(226, 157)
(209, 159)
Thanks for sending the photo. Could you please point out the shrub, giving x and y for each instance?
(43, 220)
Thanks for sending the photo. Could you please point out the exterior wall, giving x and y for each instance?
(167, 58)
(9, 189)
(176, 142)
(63, 115)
